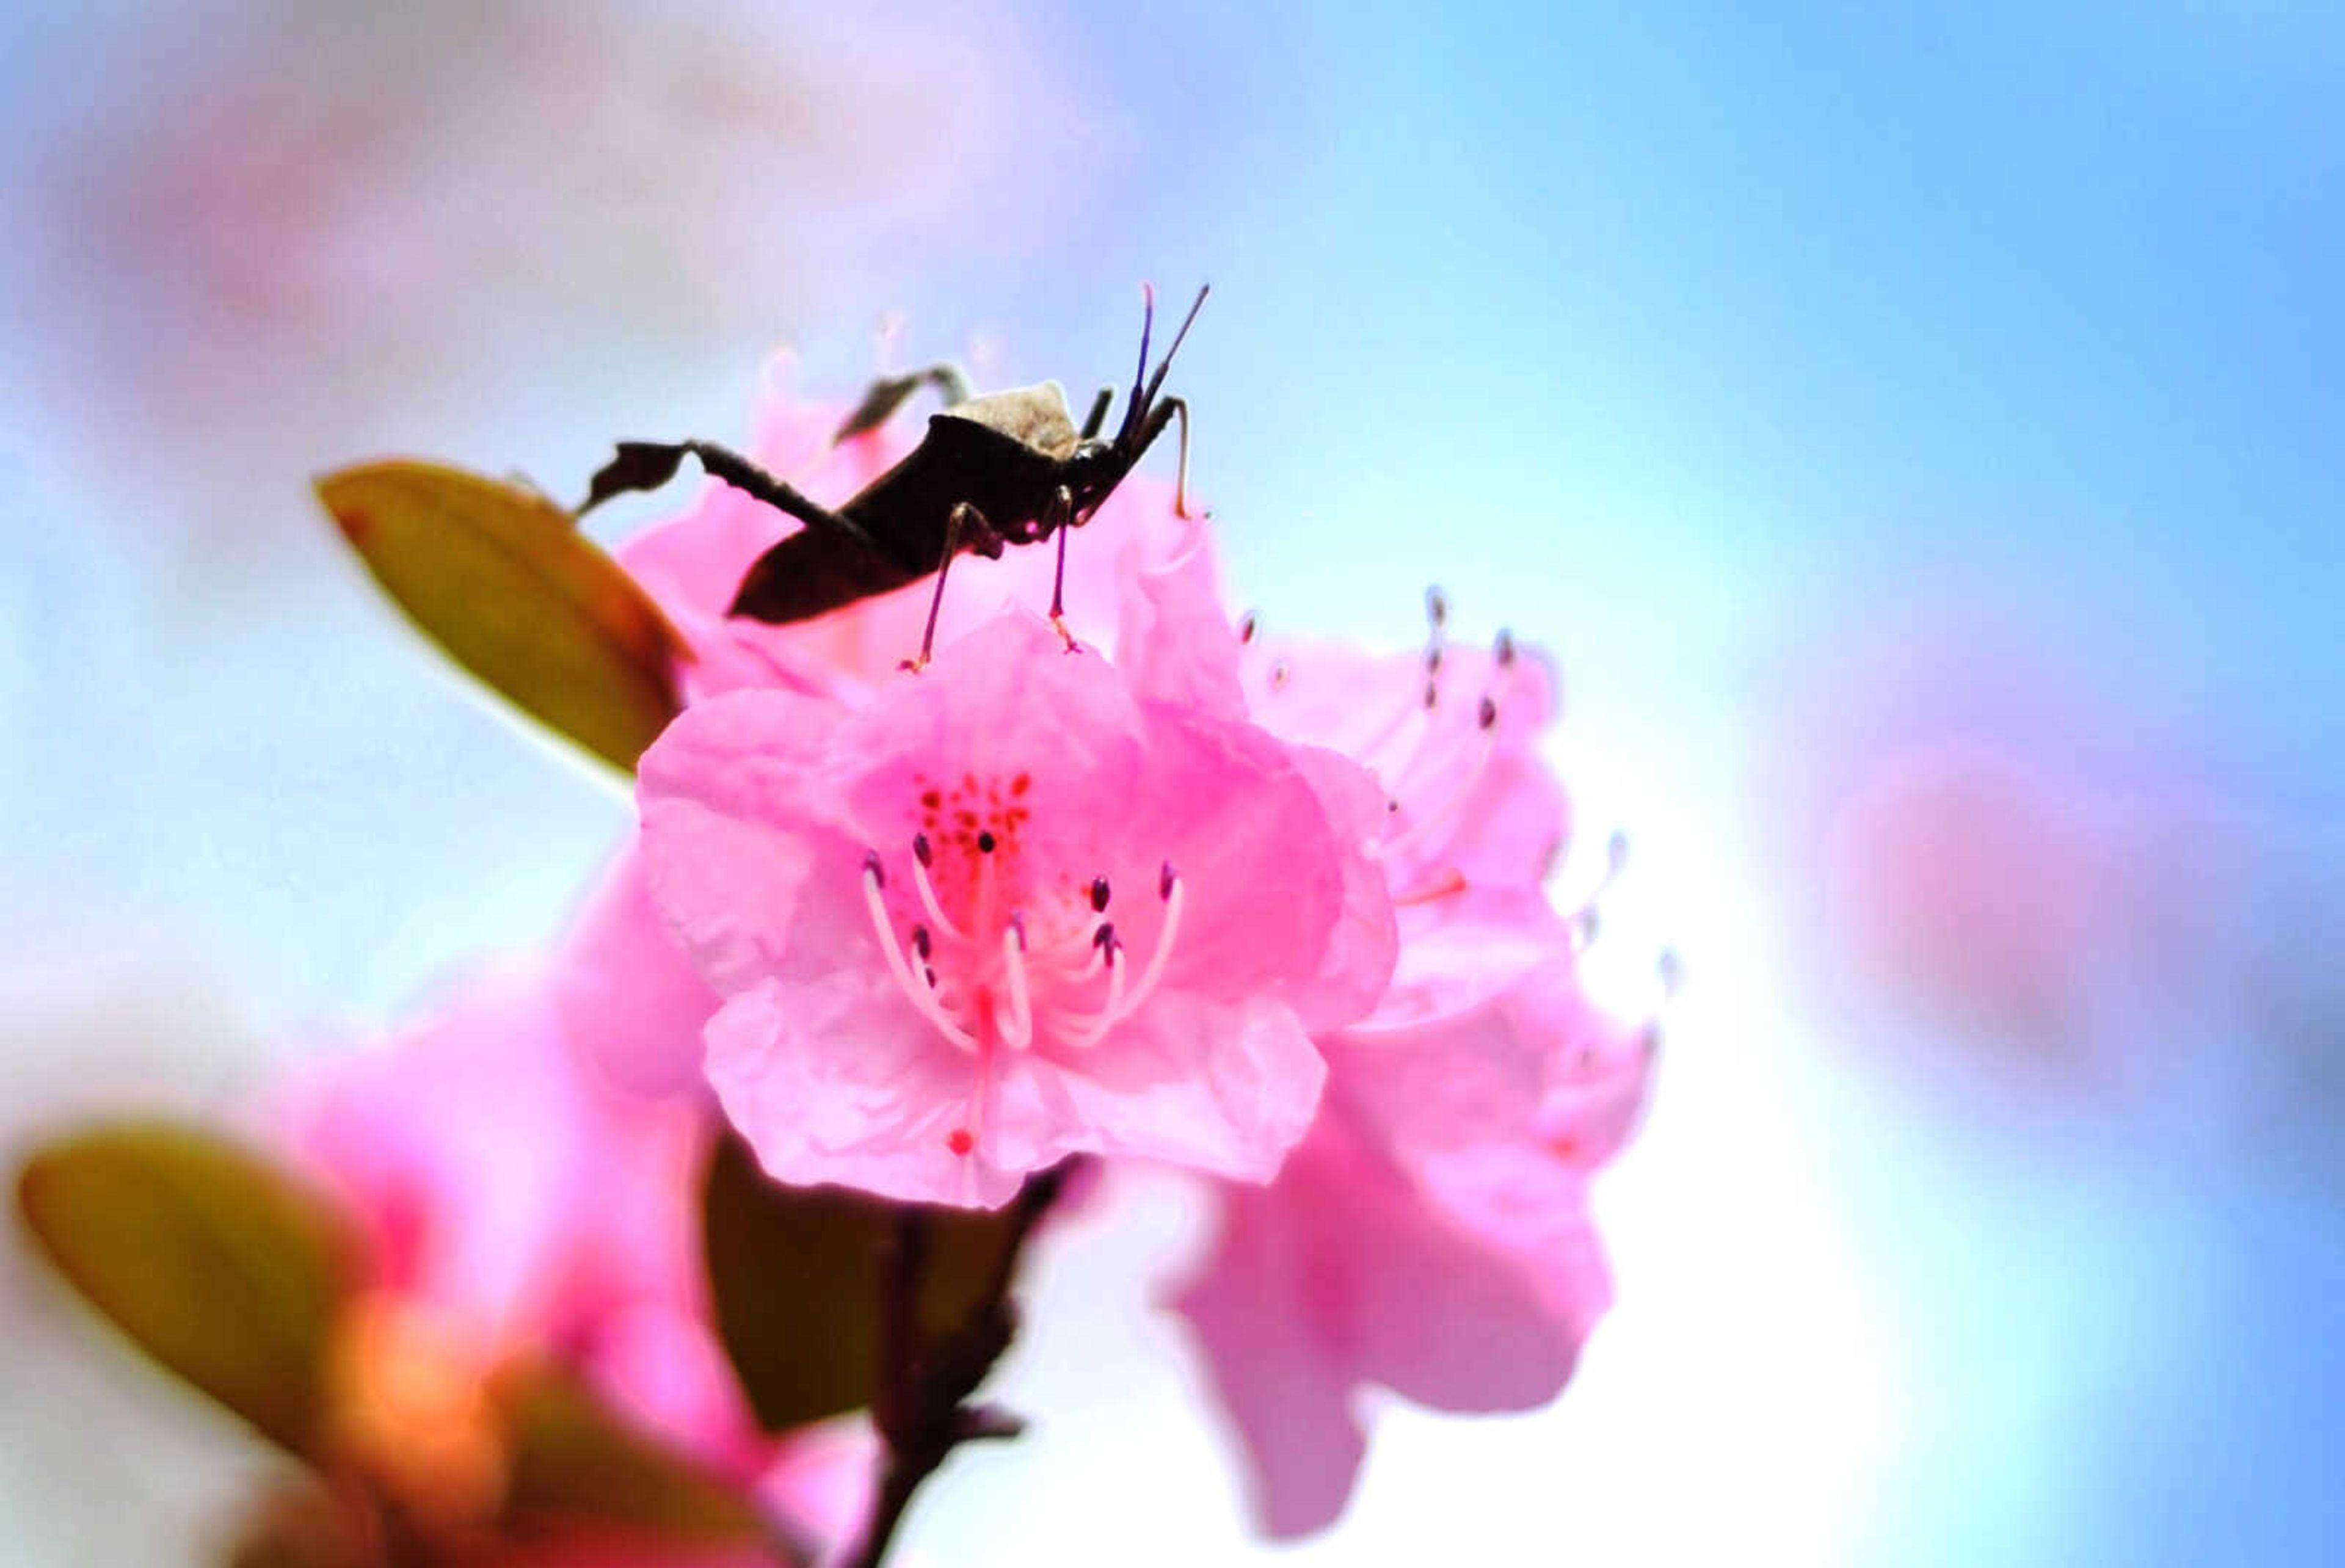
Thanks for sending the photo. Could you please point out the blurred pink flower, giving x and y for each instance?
(509, 1208)
(1007, 911)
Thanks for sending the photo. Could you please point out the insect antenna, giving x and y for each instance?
(1137, 408)
(1156, 382)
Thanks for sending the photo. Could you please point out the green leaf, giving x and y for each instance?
(794, 1271)
(574, 1463)
(219, 1268)
(501, 578)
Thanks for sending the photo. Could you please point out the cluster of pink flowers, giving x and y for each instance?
(1268, 911)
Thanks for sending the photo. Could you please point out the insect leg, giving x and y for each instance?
(647, 465)
(1059, 514)
(1097, 416)
(1180, 407)
(888, 393)
(963, 516)
(1164, 414)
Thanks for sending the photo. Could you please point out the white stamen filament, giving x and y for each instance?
(1388, 737)
(1086, 1030)
(936, 913)
(923, 999)
(1004, 989)
(1093, 961)
(1422, 827)
(1121, 1003)
(1020, 1031)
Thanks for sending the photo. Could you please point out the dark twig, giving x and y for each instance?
(921, 1405)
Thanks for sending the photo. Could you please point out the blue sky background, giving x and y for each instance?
(1836, 389)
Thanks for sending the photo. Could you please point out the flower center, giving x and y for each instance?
(997, 953)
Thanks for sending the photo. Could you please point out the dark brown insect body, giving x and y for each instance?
(1006, 468)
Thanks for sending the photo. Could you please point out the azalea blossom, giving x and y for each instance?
(1431, 1235)
(1006, 911)
(629, 994)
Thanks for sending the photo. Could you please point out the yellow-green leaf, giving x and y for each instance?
(501, 578)
(216, 1265)
(575, 1465)
(794, 1272)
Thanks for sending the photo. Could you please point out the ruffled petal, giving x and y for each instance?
(627, 994)
(726, 796)
(1364, 944)
(1344, 1273)
(1175, 642)
(838, 1080)
(1222, 1086)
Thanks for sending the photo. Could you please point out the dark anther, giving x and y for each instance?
(1105, 936)
(1433, 693)
(1432, 659)
(872, 868)
(920, 850)
(1487, 714)
(1278, 674)
(1247, 624)
(920, 943)
(1505, 651)
(1099, 895)
(1436, 607)
(985, 842)
(1164, 881)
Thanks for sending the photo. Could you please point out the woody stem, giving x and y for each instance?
(925, 1382)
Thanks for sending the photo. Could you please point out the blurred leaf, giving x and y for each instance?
(795, 1275)
(501, 578)
(306, 1525)
(217, 1266)
(574, 1463)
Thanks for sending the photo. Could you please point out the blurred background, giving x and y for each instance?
(1916, 430)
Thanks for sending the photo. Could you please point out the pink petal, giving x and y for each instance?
(1222, 1087)
(1344, 1273)
(1266, 872)
(1539, 1067)
(1464, 949)
(1363, 944)
(719, 794)
(1175, 642)
(627, 995)
(838, 1080)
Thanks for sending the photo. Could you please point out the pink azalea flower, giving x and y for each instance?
(1004, 912)
(1431, 1234)
(509, 1207)
(629, 994)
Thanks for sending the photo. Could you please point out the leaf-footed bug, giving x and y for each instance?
(996, 469)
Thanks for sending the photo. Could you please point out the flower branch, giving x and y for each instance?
(924, 1385)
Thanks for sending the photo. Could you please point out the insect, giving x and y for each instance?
(1002, 469)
